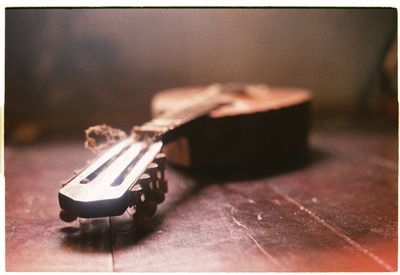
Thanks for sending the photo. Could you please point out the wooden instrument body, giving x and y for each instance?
(220, 126)
(263, 127)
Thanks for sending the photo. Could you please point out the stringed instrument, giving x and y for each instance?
(230, 126)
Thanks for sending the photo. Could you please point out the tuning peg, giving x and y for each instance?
(152, 170)
(134, 194)
(158, 195)
(67, 216)
(144, 181)
(149, 208)
(136, 188)
(164, 185)
(161, 187)
(160, 160)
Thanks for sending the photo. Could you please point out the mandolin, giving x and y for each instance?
(226, 126)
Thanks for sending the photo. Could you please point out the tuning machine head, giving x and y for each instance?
(161, 161)
(158, 185)
(149, 189)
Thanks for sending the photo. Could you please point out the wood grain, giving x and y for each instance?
(338, 213)
(36, 240)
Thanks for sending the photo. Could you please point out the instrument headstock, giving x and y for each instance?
(130, 173)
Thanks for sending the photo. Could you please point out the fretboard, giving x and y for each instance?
(198, 106)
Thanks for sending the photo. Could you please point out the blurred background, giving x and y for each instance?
(67, 69)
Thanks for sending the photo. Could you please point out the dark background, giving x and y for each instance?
(67, 69)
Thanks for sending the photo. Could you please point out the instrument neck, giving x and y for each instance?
(165, 126)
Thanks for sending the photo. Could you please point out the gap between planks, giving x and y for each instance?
(335, 230)
(111, 244)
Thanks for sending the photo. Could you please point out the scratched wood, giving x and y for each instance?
(339, 213)
(36, 240)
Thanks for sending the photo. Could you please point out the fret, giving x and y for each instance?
(198, 106)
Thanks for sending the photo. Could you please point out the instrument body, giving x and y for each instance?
(224, 126)
(264, 127)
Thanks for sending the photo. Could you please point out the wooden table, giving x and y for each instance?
(338, 213)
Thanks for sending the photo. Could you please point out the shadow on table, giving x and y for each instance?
(87, 235)
(98, 234)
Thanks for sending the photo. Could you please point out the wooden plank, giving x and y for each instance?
(36, 240)
(337, 214)
(369, 139)
(353, 195)
(190, 233)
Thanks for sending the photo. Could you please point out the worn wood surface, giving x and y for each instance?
(338, 213)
